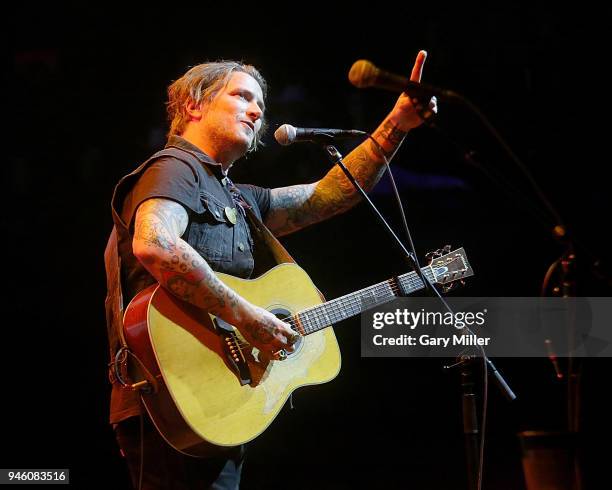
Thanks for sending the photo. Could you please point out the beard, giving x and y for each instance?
(232, 141)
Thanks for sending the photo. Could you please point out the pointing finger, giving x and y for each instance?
(417, 69)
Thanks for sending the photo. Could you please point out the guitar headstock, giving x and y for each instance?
(448, 267)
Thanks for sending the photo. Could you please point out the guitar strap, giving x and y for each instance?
(264, 237)
(118, 372)
(114, 296)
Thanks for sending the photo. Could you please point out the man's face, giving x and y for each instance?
(233, 118)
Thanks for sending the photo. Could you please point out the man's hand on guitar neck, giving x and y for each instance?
(157, 244)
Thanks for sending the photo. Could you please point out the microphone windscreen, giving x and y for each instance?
(285, 135)
(363, 73)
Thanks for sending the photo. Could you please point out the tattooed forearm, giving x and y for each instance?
(364, 165)
(177, 266)
(389, 137)
(295, 207)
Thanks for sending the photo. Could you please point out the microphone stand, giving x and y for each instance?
(470, 417)
(565, 285)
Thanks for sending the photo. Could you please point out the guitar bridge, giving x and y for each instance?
(232, 350)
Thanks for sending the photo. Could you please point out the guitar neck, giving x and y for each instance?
(323, 315)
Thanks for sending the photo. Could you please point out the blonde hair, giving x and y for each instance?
(201, 84)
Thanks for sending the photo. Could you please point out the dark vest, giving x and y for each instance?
(242, 249)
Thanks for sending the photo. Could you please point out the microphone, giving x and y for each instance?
(364, 74)
(287, 134)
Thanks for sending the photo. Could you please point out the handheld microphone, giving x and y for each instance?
(287, 134)
(365, 74)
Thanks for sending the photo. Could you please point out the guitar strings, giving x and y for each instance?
(313, 316)
(413, 283)
(314, 320)
(318, 320)
(316, 317)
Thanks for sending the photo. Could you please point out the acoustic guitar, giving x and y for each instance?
(208, 388)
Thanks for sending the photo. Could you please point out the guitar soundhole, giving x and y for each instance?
(281, 314)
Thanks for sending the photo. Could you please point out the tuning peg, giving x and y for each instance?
(446, 249)
(447, 287)
(436, 254)
(431, 256)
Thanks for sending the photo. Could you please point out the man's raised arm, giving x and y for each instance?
(297, 206)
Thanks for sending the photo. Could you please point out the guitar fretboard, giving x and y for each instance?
(323, 315)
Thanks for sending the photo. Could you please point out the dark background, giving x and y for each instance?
(86, 92)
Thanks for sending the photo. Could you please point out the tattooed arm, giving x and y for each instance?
(294, 207)
(182, 271)
(297, 206)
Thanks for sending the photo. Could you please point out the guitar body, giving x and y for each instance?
(200, 400)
